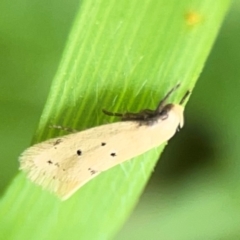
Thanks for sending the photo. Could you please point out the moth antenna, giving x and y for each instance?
(163, 101)
(185, 97)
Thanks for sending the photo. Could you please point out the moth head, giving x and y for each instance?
(175, 109)
(178, 110)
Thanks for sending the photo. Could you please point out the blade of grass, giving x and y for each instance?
(121, 55)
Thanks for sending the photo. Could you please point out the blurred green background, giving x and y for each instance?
(185, 199)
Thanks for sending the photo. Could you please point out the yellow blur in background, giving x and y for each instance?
(195, 190)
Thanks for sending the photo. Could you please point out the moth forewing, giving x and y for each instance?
(64, 164)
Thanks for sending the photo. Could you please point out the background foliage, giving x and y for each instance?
(194, 191)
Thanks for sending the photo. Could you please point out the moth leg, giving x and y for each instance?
(70, 130)
(123, 116)
(147, 111)
(142, 115)
(112, 113)
(163, 101)
(129, 116)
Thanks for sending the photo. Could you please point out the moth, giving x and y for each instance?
(64, 164)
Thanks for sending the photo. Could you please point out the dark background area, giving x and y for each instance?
(197, 180)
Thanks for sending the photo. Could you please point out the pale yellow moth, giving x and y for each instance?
(62, 165)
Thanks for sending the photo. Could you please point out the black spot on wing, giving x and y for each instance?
(113, 154)
(103, 143)
(92, 171)
(79, 152)
(50, 162)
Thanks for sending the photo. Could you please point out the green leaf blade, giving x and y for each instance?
(120, 56)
